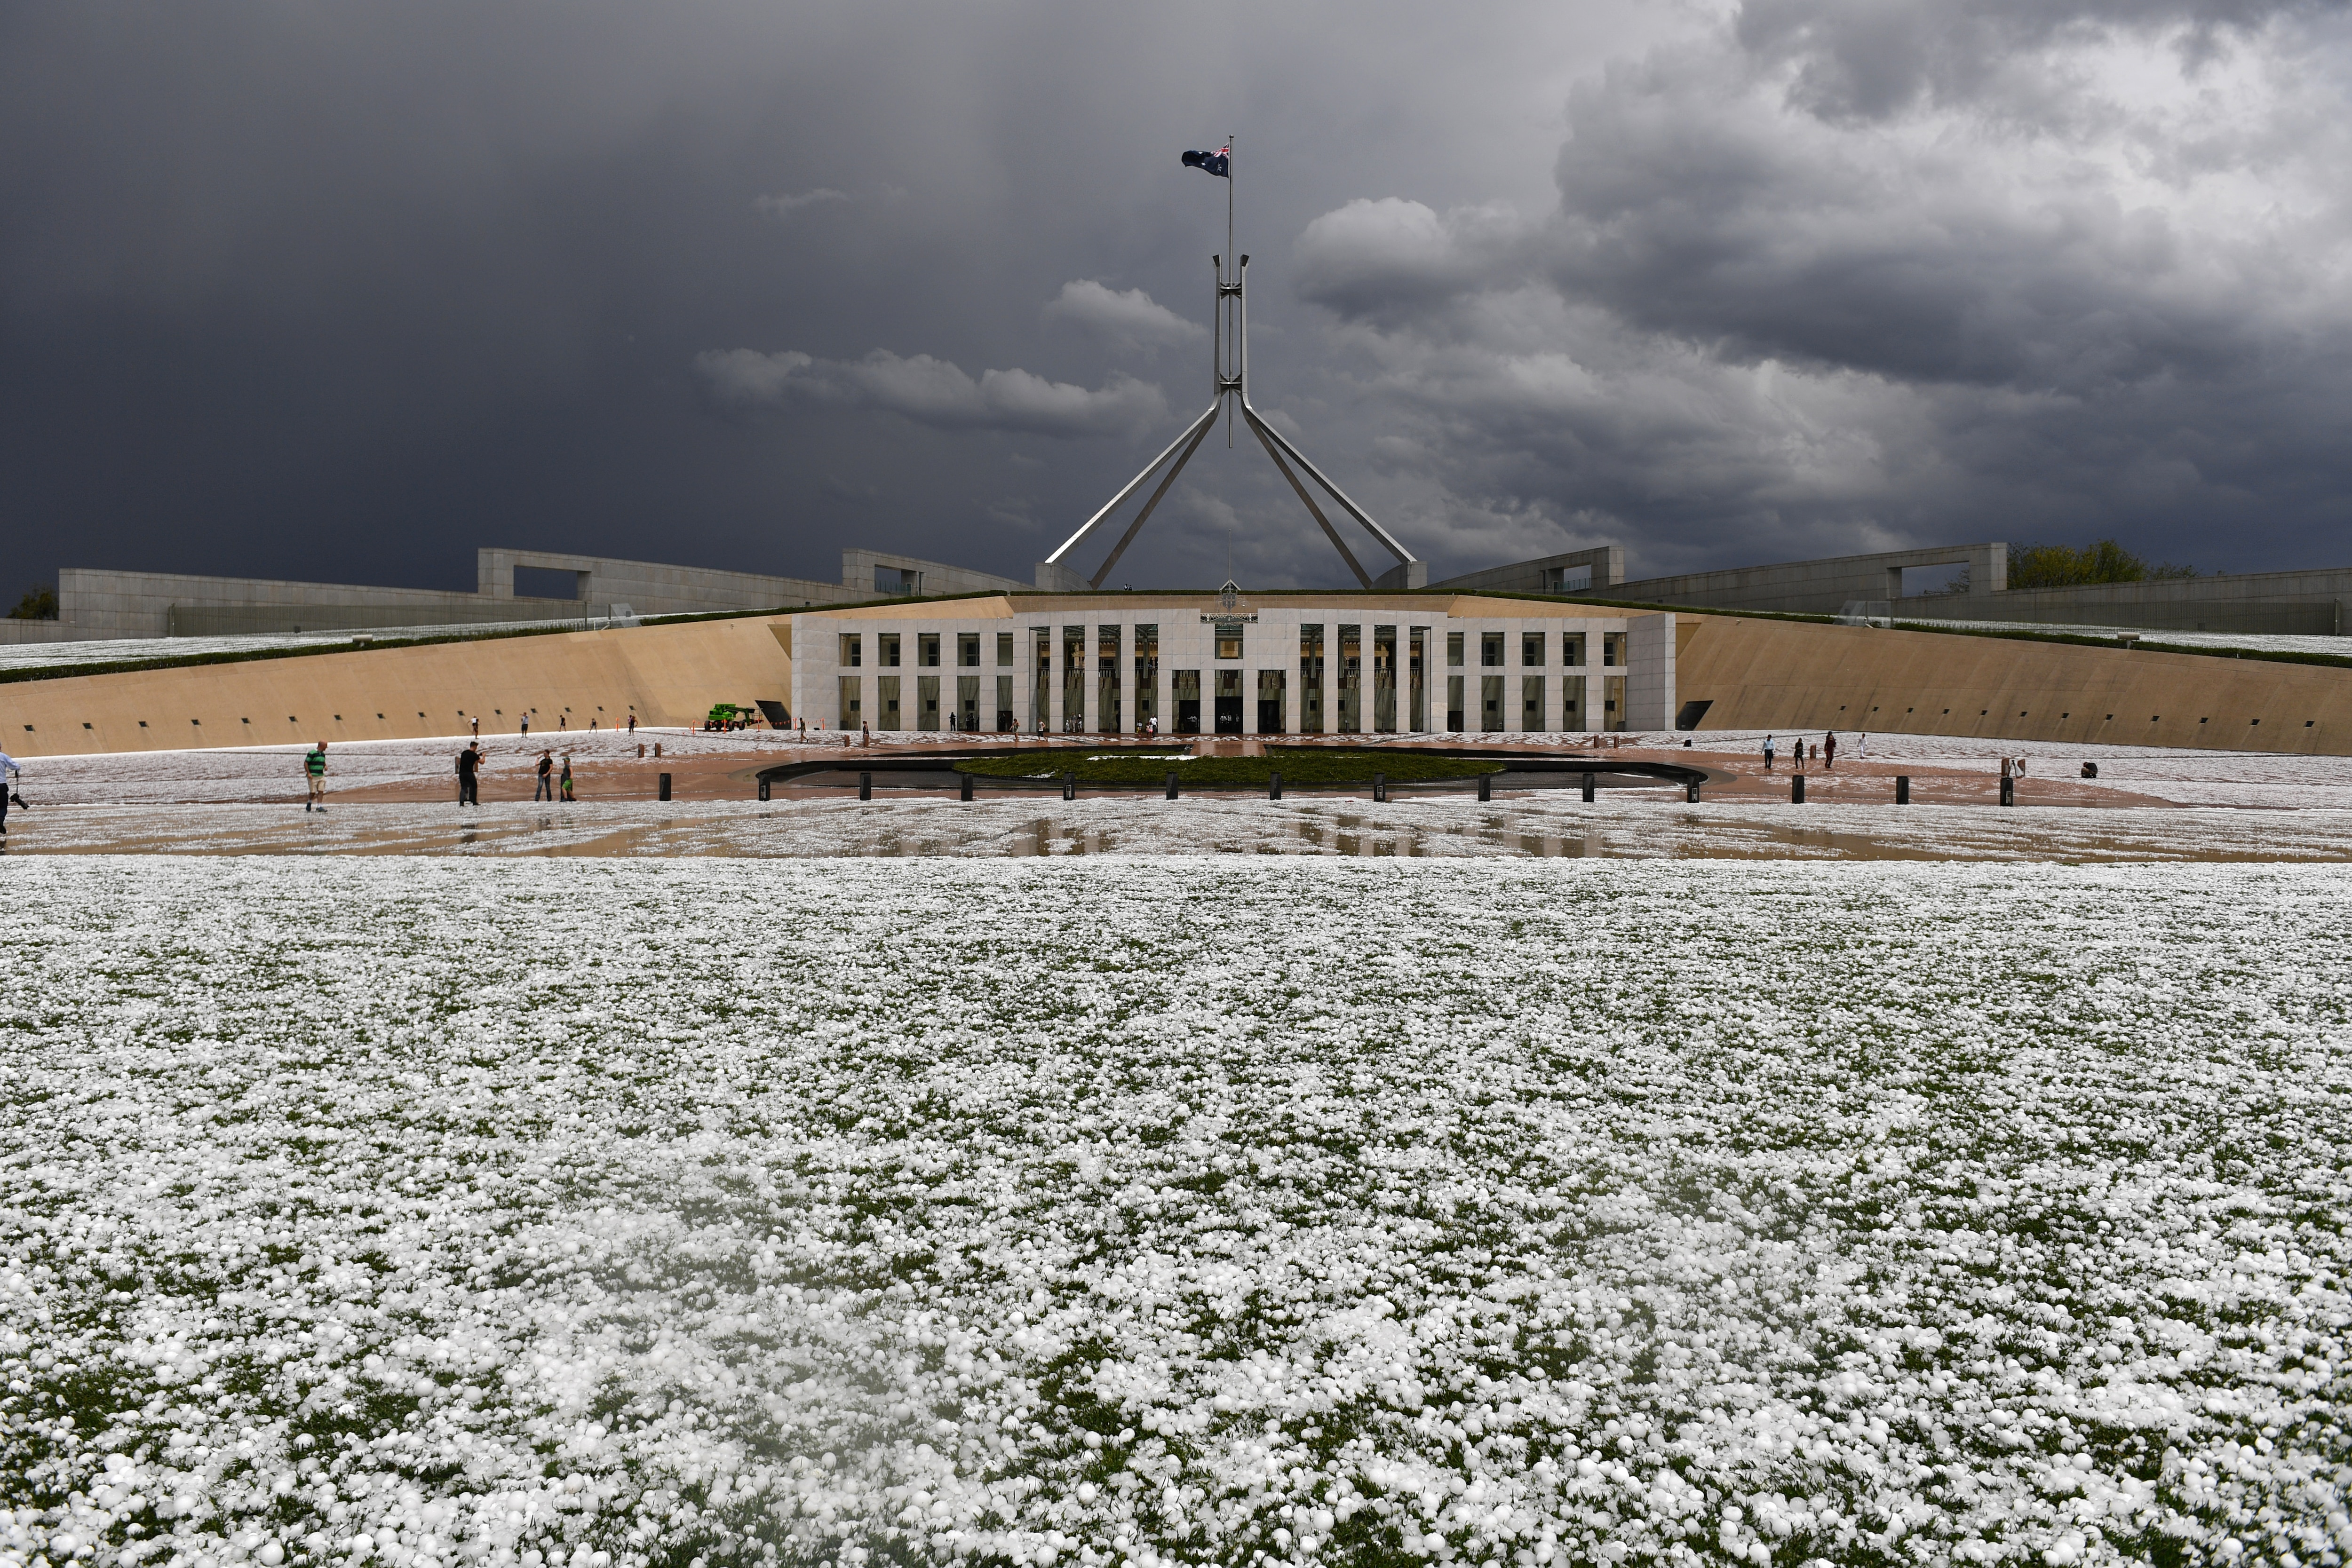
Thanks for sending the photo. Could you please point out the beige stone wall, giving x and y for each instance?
(670, 675)
(1782, 675)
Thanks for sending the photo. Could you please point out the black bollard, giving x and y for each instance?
(1381, 787)
(1903, 788)
(966, 779)
(866, 786)
(1274, 786)
(2009, 792)
(1691, 792)
(1172, 784)
(1797, 790)
(1069, 785)
(763, 788)
(665, 785)
(1486, 786)
(1587, 789)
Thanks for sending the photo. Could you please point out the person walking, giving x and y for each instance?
(469, 768)
(1768, 754)
(314, 769)
(8, 771)
(563, 784)
(632, 723)
(546, 790)
(1862, 745)
(477, 726)
(564, 720)
(526, 724)
(1828, 749)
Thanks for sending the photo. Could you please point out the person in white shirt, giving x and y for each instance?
(10, 775)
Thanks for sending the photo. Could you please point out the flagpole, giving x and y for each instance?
(1230, 252)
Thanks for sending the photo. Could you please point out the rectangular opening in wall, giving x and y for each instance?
(927, 697)
(966, 714)
(1531, 704)
(1187, 699)
(1453, 700)
(1572, 702)
(898, 582)
(1384, 681)
(927, 650)
(1004, 719)
(887, 696)
(853, 706)
(1417, 675)
(1107, 714)
(1351, 679)
(1572, 649)
(1490, 650)
(1952, 577)
(1490, 703)
(1146, 673)
(1310, 680)
(1612, 702)
(547, 582)
(1270, 699)
(1689, 714)
(968, 650)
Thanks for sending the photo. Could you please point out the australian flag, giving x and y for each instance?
(1219, 162)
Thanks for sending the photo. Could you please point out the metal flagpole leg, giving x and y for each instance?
(1135, 527)
(1258, 426)
(1129, 488)
(1403, 555)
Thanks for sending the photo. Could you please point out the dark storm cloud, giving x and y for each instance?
(344, 293)
(1839, 276)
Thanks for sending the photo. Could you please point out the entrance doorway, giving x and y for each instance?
(1229, 701)
(1188, 702)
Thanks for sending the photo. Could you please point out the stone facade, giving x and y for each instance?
(1277, 663)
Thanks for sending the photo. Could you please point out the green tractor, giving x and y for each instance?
(727, 715)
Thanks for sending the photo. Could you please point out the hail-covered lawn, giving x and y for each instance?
(420, 1212)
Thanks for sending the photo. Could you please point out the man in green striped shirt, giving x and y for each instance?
(314, 768)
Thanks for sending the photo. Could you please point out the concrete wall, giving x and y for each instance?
(98, 603)
(2310, 602)
(861, 571)
(1602, 568)
(1780, 674)
(39, 632)
(649, 588)
(667, 674)
(1821, 586)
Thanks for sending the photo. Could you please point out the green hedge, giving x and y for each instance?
(1304, 768)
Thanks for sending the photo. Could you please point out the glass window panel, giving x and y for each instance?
(968, 650)
(852, 650)
(1310, 680)
(1531, 650)
(886, 643)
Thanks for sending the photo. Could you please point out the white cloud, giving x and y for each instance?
(1130, 320)
(932, 391)
(784, 206)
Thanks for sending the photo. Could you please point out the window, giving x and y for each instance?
(886, 645)
(1531, 650)
(1490, 650)
(1454, 699)
(926, 649)
(1417, 673)
(1531, 702)
(1074, 680)
(888, 693)
(852, 650)
(1146, 673)
(927, 697)
(1004, 649)
(1572, 648)
(1453, 650)
(968, 650)
(1384, 682)
(1107, 692)
(1490, 699)
(852, 707)
(1310, 680)
(1612, 648)
(1229, 640)
(1351, 679)
(1041, 690)
(1572, 702)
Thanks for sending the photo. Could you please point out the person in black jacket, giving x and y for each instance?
(469, 765)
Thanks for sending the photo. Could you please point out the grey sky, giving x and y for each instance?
(343, 292)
